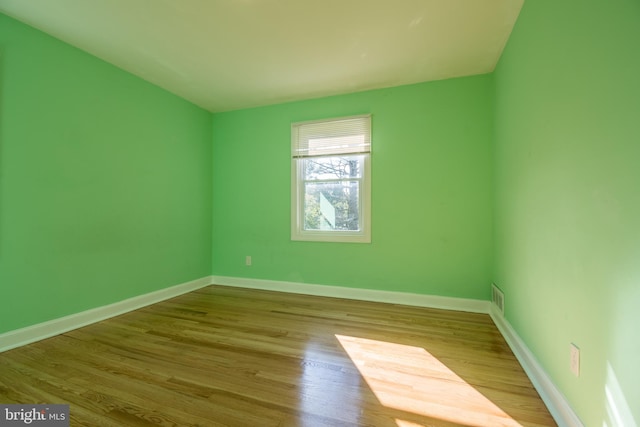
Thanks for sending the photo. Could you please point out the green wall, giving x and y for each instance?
(431, 192)
(567, 197)
(527, 177)
(105, 182)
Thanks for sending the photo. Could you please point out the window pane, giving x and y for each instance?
(331, 206)
(338, 167)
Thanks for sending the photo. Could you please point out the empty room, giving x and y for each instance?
(334, 213)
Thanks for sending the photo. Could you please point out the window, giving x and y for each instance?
(331, 180)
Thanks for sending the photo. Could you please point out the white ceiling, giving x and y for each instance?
(230, 54)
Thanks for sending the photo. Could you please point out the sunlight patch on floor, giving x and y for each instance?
(404, 423)
(410, 379)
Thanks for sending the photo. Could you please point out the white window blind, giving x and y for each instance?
(350, 135)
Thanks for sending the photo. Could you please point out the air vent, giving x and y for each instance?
(497, 298)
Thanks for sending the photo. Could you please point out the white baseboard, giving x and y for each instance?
(404, 298)
(552, 397)
(557, 404)
(40, 331)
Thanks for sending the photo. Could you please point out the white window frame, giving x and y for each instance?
(363, 235)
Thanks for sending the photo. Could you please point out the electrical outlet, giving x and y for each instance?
(575, 360)
(247, 260)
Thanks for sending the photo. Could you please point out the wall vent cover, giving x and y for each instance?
(497, 298)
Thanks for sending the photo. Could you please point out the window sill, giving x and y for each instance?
(334, 237)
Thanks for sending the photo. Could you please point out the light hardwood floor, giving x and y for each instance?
(236, 357)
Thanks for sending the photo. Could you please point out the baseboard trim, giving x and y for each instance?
(557, 404)
(40, 331)
(418, 300)
(552, 397)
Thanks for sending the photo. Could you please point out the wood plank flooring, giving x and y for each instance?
(237, 357)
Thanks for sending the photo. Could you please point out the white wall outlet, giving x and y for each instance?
(247, 260)
(575, 360)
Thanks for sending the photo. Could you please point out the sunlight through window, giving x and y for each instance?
(410, 379)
